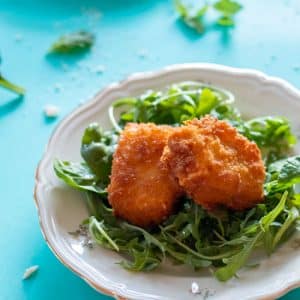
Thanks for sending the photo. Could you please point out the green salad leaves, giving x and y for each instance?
(272, 135)
(97, 148)
(78, 176)
(222, 240)
(183, 101)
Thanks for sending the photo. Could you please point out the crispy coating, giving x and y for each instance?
(215, 164)
(142, 190)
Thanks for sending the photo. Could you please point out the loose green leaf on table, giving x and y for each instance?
(6, 84)
(73, 43)
(191, 19)
(11, 86)
(194, 18)
(228, 9)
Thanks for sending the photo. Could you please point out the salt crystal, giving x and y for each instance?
(51, 111)
(30, 271)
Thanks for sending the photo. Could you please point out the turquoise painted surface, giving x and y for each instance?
(266, 38)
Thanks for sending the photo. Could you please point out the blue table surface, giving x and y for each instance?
(266, 37)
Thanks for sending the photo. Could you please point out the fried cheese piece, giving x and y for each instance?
(142, 190)
(215, 164)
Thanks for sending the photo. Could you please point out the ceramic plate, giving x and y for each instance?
(61, 209)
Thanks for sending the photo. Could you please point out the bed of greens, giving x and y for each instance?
(223, 240)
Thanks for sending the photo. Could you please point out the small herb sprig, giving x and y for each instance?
(194, 18)
(8, 85)
(74, 42)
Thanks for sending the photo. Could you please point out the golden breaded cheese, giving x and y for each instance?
(142, 190)
(215, 165)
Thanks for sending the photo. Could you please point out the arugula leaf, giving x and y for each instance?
(178, 103)
(181, 9)
(225, 21)
(290, 170)
(11, 86)
(73, 42)
(78, 176)
(188, 259)
(99, 209)
(98, 232)
(272, 134)
(146, 249)
(194, 18)
(145, 260)
(267, 220)
(238, 260)
(283, 174)
(296, 200)
(191, 19)
(142, 247)
(292, 217)
(227, 7)
(97, 149)
(267, 131)
(207, 101)
(149, 239)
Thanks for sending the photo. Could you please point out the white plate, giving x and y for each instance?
(62, 209)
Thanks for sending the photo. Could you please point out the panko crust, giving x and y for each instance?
(142, 190)
(215, 164)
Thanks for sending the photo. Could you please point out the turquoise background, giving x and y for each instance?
(267, 37)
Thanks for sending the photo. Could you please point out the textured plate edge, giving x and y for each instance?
(275, 81)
